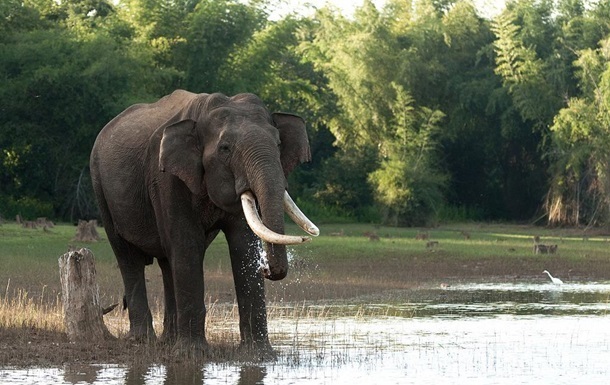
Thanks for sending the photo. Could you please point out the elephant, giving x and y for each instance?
(170, 175)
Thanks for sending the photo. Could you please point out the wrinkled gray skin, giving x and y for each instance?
(168, 177)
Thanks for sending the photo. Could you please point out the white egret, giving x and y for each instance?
(555, 280)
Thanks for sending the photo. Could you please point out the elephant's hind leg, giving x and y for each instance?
(132, 263)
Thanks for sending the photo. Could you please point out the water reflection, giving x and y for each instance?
(79, 374)
(475, 333)
(178, 374)
(251, 375)
(174, 374)
(519, 298)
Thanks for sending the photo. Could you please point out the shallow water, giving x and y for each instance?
(475, 333)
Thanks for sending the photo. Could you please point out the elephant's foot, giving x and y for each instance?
(170, 326)
(189, 349)
(261, 351)
(168, 336)
(141, 335)
(141, 338)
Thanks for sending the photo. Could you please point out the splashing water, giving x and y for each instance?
(263, 261)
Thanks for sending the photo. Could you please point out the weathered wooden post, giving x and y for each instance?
(80, 297)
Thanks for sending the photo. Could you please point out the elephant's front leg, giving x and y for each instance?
(170, 313)
(187, 270)
(249, 287)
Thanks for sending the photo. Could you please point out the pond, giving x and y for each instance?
(475, 333)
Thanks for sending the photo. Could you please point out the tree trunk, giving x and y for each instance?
(80, 297)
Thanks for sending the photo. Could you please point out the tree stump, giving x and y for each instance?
(86, 231)
(29, 225)
(45, 223)
(80, 297)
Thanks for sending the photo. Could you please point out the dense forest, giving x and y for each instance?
(419, 112)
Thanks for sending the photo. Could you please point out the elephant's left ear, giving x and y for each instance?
(294, 148)
(179, 154)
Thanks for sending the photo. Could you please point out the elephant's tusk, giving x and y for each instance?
(298, 217)
(248, 203)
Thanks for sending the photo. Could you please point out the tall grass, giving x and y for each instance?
(19, 310)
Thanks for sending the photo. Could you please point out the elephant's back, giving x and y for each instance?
(125, 146)
(134, 127)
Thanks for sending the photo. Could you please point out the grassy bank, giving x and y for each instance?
(348, 263)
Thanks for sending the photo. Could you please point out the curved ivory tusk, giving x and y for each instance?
(248, 203)
(298, 217)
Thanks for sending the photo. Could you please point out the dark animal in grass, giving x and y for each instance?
(371, 235)
(539, 248)
(422, 236)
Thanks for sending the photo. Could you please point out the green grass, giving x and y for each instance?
(28, 258)
(341, 262)
(485, 241)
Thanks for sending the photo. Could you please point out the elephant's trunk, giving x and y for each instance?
(261, 179)
(272, 199)
(271, 206)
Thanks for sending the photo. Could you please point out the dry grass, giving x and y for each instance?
(22, 311)
(33, 334)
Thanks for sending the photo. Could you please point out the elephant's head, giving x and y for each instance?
(236, 152)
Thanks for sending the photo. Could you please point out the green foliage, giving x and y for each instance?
(522, 72)
(342, 186)
(460, 214)
(416, 111)
(29, 208)
(57, 93)
(537, 45)
(336, 214)
(359, 61)
(214, 30)
(376, 108)
(580, 189)
(270, 66)
(408, 184)
(410, 195)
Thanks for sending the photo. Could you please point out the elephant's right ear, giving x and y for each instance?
(293, 136)
(180, 154)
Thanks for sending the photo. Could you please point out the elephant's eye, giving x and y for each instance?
(224, 148)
